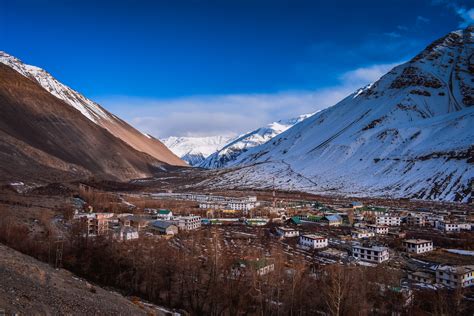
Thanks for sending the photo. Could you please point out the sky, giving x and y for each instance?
(203, 68)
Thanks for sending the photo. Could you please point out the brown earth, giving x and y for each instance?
(140, 142)
(42, 138)
(30, 287)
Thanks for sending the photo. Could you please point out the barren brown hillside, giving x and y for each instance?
(42, 136)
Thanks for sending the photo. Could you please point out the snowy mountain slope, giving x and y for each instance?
(241, 144)
(194, 150)
(93, 111)
(410, 134)
(44, 139)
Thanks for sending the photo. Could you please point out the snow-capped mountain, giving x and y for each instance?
(93, 111)
(194, 150)
(410, 134)
(231, 151)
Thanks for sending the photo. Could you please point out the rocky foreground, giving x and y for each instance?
(29, 287)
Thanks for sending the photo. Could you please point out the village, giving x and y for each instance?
(426, 247)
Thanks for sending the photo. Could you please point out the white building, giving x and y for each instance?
(237, 205)
(448, 227)
(190, 222)
(242, 205)
(432, 219)
(388, 220)
(455, 276)
(418, 245)
(313, 241)
(421, 277)
(165, 215)
(465, 226)
(373, 254)
(212, 205)
(378, 229)
(287, 232)
(127, 233)
(256, 221)
(361, 234)
(416, 219)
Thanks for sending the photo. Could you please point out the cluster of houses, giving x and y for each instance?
(366, 252)
(444, 275)
(366, 229)
(237, 205)
(216, 202)
(127, 226)
(362, 252)
(371, 228)
(445, 221)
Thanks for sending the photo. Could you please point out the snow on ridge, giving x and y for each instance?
(88, 108)
(407, 135)
(194, 149)
(147, 135)
(230, 152)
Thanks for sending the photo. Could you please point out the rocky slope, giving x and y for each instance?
(43, 138)
(236, 147)
(31, 287)
(93, 111)
(194, 150)
(410, 134)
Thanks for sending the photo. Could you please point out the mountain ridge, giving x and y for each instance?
(407, 135)
(93, 111)
(193, 149)
(237, 146)
(45, 139)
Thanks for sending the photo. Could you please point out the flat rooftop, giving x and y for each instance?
(288, 229)
(314, 236)
(417, 241)
(377, 248)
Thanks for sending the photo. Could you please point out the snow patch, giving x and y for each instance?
(88, 108)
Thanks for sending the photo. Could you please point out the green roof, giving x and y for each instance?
(314, 218)
(396, 289)
(164, 212)
(296, 220)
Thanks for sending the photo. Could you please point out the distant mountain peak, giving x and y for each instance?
(194, 149)
(230, 152)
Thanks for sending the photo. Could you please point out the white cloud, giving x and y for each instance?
(467, 16)
(232, 114)
(364, 75)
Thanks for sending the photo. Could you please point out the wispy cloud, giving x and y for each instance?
(236, 113)
(421, 19)
(393, 34)
(466, 14)
(364, 75)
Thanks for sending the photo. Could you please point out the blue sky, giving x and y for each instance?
(221, 67)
